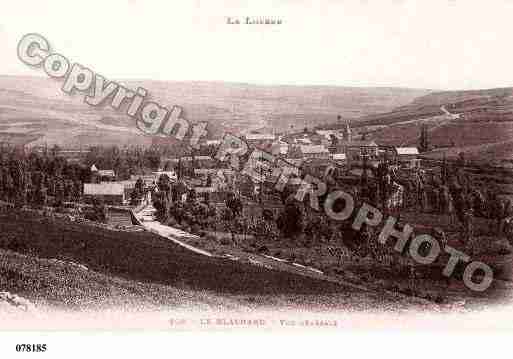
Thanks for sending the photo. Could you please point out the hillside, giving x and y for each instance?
(57, 263)
(478, 122)
(490, 104)
(34, 110)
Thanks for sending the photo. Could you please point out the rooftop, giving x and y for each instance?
(189, 158)
(313, 149)
(338, 156)
(407, 150)
(361, 144)
(106, 173)
(104, 188)
(259, 136)
(328, 133)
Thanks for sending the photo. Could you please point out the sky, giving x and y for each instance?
(419, 44)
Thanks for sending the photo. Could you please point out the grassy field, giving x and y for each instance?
(43, 260)
(336, 259)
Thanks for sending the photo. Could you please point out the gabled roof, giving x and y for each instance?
(197, 158)
(313, 149)
(294, 161)
(278, 148)
(407, 150)
(126, 183)
(104, 188)
(338, 156)
(189, 158)
(361, 144)
(259, 136)
(170, 174)
(106, 173)
(148, 179)
(303, 140)
(328, 133)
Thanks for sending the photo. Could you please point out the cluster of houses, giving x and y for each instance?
(105, 186)
(338, 146)
(328, 148)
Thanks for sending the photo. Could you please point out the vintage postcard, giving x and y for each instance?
(295, 166)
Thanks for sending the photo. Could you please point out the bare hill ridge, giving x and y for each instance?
(477, 122)
(34, 109)
(489, 104)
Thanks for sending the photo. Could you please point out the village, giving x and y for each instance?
(215, 210)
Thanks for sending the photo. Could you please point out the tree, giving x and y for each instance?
(77, 190)
(40, 195)
(152, 157)
(29, 178)
(9, 186)
(39, 192)
(69, 190)
(59, 192)
(139, 187)
(461, 159)
(2, 185)
(333, 140)
(234, 204)
(290, 220)
(54, 151)
(137, 193)
(164, 184)
(121, 168)
(19, 194)
(444, 171)
(161, 204)
(99, 212)
(424, 140)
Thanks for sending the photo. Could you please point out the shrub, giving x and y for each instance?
(263, 249)
(439, 299)
(408, 291)
(225, 241)
(210, 238)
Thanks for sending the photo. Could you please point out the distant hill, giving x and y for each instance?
(491, 104)
(478, 122)
(33, 110)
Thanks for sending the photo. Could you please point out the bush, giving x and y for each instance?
(195, 229)
(408, 291)
(210, 238)
(172, 222)
(263, 250)
(439, 299)
(225, 241)
(503, 251)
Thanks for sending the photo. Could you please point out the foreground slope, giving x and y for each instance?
(75, 265)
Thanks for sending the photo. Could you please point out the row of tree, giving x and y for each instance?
(34, 178)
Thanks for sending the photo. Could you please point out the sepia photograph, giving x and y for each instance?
(245, 167)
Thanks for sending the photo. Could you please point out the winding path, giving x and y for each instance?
(449, 118)
(146, 218)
